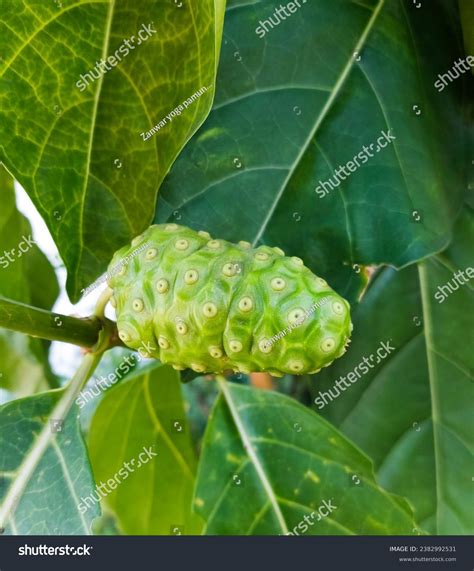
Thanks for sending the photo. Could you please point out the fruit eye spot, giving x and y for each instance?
(296, 365)
(138, 305)
(182, 244)
(197, 368)
(278, 284)
(279, 251)
(213, 244)
(297, 261)
(181, 327)
(261, 256)
(243, 369)
(328, 344)
(246, 304)
(204, 234)
(209, 309)
(215, 352)
(178, 367)
(137, 240)
(244, 244)
(265, 346)
(191, 277)
(235, 346)
(275, 373)
(295, 315)
(162, 286)
(229, 270)
(338, 307)
(151, 253)
(171, 227)
(123, 270)
(163, 342)
(321, 282)
(124, 336)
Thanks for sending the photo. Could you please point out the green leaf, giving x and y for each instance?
(411, 413)
(25, 273)
(294, 105)
(27, 277)
(268, 462)
(80, 154)
(21, 371)
(146, 410)
(106, 376)
(49, 504)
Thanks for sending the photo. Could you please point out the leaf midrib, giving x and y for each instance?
(105, 48)
(246, 440)
(432, 379)
(322, 116)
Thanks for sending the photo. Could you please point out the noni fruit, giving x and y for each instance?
(209, 305)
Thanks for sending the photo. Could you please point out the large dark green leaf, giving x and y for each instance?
(50, 502)
(268, 462)
(146, 411)
(80, 154)
(28, 277)
(412, 413)
(294, 105)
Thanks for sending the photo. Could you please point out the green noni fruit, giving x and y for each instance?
(209, 305)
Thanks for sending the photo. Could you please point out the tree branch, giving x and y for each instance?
(53, 326)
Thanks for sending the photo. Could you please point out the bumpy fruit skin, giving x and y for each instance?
(209, 305)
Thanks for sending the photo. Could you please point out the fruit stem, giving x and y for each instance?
(44, 324)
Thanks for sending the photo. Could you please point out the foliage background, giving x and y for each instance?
(395, 451)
